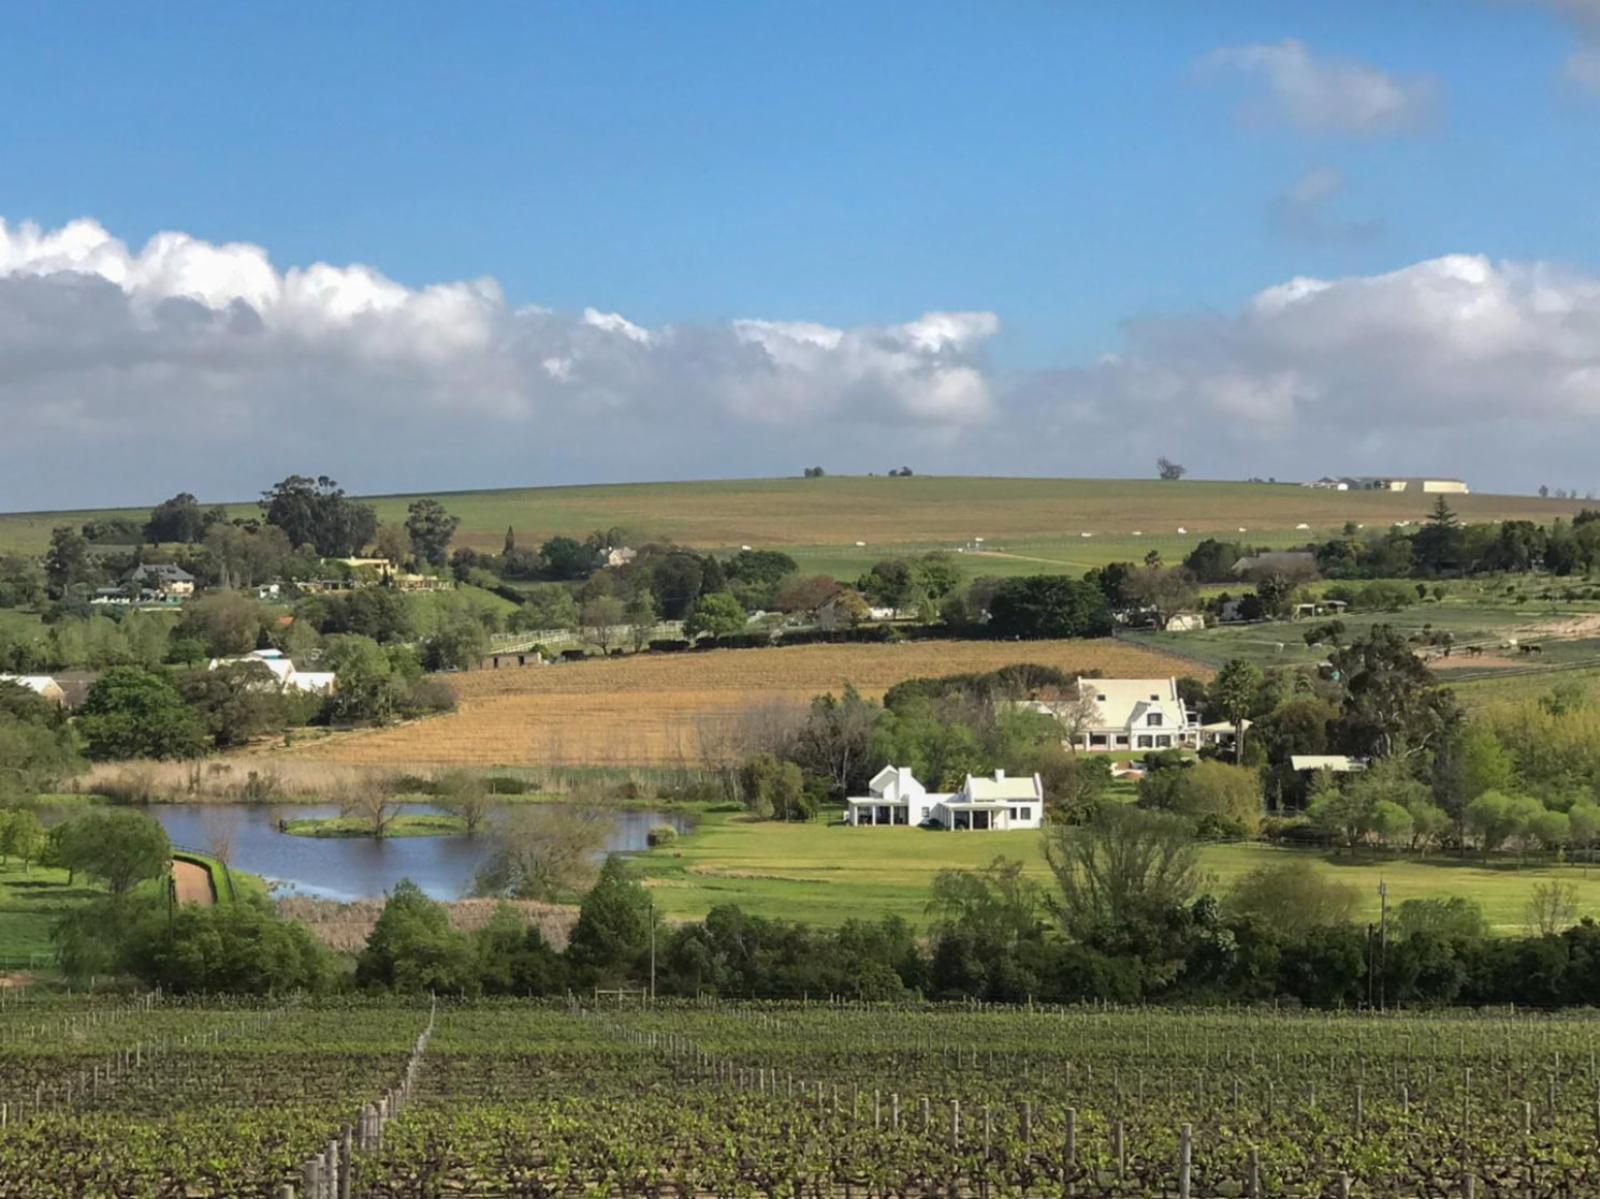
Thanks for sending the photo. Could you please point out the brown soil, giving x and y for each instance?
(344, 927)
(193, 884)
(1480, 662)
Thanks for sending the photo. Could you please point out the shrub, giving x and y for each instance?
(661, 834)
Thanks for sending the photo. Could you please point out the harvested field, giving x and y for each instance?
(683, 709)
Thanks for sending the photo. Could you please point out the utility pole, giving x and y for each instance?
(652, 950)
(1383, 942)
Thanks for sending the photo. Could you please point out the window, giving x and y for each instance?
(1022, 814)
(1097, 740)
(1013, 814)
(1122, 740)
(1163, 742)
(1154, 720)
(1145, 741)
(1100, 699)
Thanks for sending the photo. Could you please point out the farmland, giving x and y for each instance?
(1028, 525)
(814, 1099)
(671, 710)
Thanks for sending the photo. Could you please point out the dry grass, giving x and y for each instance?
(672, 710)
(345, 927)
(221, 779)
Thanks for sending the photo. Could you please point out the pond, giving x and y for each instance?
(349, 868)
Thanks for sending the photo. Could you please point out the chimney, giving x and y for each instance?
(999, 776)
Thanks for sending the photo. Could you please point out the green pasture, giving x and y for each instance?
(825, 873)
(821, 520)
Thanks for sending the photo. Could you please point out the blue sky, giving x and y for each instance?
(1076, 171)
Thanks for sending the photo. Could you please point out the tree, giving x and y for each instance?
(231, 949)
(465, 796)
(1233, 697)
(835, 741)
(1169, 470)
(1392, 705)
(774, 790)
(566, 558)
(603, 622)
(1454, 919)
(393, 544)
(612, 936)
(716, 615)
(640, 615)
(413, 948)
(135, 713)
(66, 562)
(999, 906)
(544, 853)
(237, 702)
(178, 519)
(1035, 606)
(119, 847)
(1289, 900)
(1552, 907)
(1392, 823)
(225, 622)
(316, 513)
(431, 527)
(370, 802)
(1161, 589)
(1494, 818)
(1127, 865)
(367, 686)
(515, 959)
(461, 644)
(1218, 799)
(21, 837)
(546, 606)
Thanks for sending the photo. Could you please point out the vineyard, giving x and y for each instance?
(675, 709)
(788, 1101)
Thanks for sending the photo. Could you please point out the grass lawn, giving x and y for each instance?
(30, 902)
(431, 825)
(825, 874)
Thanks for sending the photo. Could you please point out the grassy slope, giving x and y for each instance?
(30, 902)
(1041, 518)
(827, 874)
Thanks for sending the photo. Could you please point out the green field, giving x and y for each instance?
(826, 874)
(1038, 523)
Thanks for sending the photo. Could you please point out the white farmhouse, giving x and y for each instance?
(1124, 714)
(283, 669)
(42, 685)
(897, 798)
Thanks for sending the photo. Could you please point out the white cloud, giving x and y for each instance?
(129, 375)
(1454, 363)
(1325, 95)
(1301, 211)
(231, 356)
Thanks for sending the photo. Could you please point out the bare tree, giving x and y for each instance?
(221, 827)
(371, 801)
(545, 852)
(1076, 711)
(1552, 907)
(1126, 864)
(465, 796)
(603, 625)
(1170, 470)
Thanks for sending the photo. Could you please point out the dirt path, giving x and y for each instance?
(194, 884)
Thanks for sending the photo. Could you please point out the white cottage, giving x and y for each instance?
(897, 798)
(283, 669)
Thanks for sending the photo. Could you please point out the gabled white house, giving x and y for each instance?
(896, 798)
(284, 671)
(1124, 714)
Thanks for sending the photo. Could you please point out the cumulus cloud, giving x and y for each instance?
(125, 376)
(215, 347)
(1454, 363)
(1303, 212)
(1325, 95)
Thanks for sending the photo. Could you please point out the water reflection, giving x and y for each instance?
(348, 868)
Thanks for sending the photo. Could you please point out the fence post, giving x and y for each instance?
(1185, 1154)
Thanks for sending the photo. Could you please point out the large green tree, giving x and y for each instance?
(121, 848)
(317, 513)
(431, 527)
(136, 713)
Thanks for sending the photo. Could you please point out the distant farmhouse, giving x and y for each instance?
(1109, 715)
(896, 798)
(1289, 562)
(289, 678)
(1387, 483)
(42, 685)
(160, 580)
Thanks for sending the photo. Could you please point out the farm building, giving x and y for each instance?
(897, 798)
(163, 579)
(290, 678)
(1387, 483)
(1124, 714)
(42, 685)
(1276, 561)
(1336, 763)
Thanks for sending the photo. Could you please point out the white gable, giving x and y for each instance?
(1129, 703)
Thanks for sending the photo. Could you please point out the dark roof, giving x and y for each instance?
(168, 571)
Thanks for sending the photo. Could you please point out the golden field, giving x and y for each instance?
(683, 709)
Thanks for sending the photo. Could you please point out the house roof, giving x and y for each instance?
(1119, 701)
(1276, 560)
(169, 572)
(1000, 789)
(39, 684)
(1338, 763)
